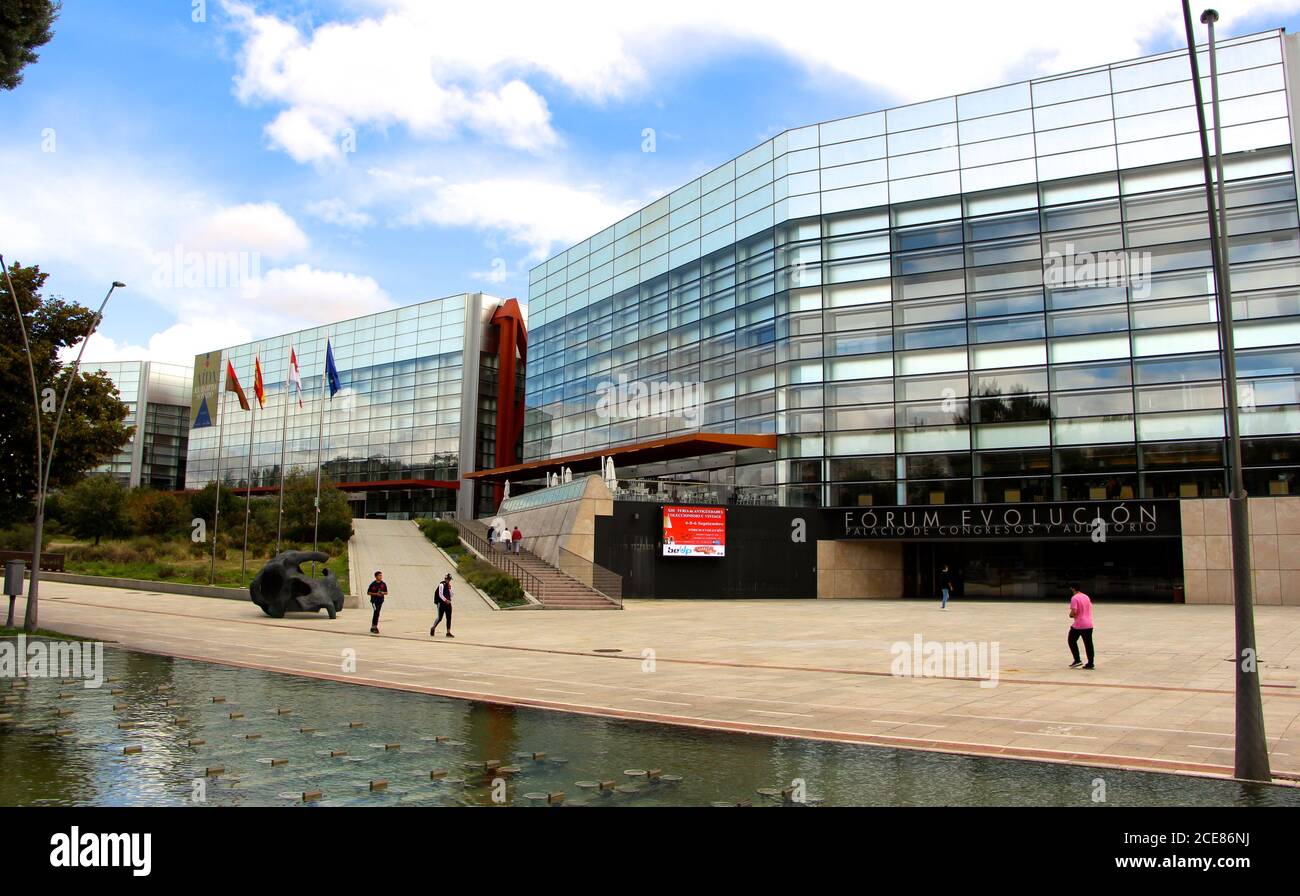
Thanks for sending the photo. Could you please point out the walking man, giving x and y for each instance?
(378, 590)
(492, 534)
(442, 600)
(518, 538)
(1081, 626)
(945, 586)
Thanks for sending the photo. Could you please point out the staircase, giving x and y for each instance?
(554, 589)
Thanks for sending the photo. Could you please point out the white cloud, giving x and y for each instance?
(303, 295)
(262, 227)
(534, 212)
(378, 71)
(199, 261)
(339, 212)
(178, 344)
(438, 69)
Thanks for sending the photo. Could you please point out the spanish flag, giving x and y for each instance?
(232, 385)
(258, 389)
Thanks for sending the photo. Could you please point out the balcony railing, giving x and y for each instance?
(501, 560)
(668, 491)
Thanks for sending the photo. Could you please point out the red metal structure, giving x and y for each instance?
(512, 354)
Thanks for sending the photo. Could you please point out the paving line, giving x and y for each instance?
(769, 712)
(912, 724)
(664, 702)
(1046, 734)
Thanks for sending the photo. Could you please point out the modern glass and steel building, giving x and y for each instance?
(411, 415)
(1002, 301)
(158, 398)
(1002, 296)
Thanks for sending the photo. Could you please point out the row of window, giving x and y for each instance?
(608, 276)
(754, 259)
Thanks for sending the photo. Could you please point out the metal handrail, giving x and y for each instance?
(675, 491)
(531, 583)
(593, 575)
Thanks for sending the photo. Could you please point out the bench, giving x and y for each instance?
(49, 562)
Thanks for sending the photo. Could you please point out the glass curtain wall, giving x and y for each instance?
(1005, 296)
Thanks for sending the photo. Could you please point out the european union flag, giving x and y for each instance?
(331, 372)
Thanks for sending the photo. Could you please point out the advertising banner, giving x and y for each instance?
(695, 531)
(203, 398)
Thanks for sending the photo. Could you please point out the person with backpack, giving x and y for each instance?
(442, 600)
(378, 590)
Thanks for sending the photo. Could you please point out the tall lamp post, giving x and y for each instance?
(1251, 754)
(44, 461)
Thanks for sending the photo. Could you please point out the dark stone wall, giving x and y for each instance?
(762, 560)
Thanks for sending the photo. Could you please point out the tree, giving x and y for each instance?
(24, 26)
(203, 503)
(94, 424)
(155, 513)
(96, 507)
(299, 509)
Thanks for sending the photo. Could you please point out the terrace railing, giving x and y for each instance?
(501, 560)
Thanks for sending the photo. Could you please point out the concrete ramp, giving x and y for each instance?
(412, 567)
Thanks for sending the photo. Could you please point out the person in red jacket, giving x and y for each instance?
(518, 538)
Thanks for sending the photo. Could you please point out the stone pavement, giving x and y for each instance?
(412, 567)
(1161, 698)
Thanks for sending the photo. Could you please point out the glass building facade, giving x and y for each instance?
(1004, 296)
(157, 396)
(408, 420)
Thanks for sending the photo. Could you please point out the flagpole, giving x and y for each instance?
(248, 481)
(320, 437)
(216, 513)
(284, 436)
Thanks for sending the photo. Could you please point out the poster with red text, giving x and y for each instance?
(695, 531)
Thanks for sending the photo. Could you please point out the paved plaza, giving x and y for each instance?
(1161, 697)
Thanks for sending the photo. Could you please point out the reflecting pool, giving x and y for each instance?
(220, 736)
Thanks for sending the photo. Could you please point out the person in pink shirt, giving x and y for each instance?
(1080, 627)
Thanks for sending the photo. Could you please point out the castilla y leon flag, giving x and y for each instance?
(295, 375)
(258, 389)
(232, 385)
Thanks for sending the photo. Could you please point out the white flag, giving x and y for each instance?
(295, 375)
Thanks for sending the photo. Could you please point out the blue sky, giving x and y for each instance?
(368, 154)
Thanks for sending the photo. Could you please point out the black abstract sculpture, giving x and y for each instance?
(282, 586)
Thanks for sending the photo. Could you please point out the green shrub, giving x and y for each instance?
(155, 513)
(21, 536)
(96, 508)
(501, 587)
(440, 532)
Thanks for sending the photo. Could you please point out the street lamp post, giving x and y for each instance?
(1251, 754)
(45, 461)
(36, 422)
